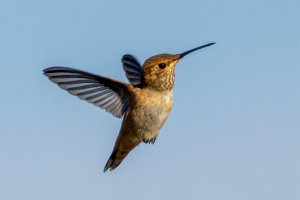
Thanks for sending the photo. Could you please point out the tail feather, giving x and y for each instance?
(110, 161)
(123, 146)
(115, 160)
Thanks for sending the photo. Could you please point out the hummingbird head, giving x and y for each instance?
(158, 71)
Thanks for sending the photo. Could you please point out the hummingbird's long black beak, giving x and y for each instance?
(194, 49)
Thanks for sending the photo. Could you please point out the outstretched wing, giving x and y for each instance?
(103, 92)
(132, 68)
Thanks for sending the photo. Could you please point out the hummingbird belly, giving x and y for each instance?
(149, 114)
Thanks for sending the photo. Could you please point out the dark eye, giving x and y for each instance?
(161, 65)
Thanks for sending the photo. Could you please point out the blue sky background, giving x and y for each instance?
(234, 129)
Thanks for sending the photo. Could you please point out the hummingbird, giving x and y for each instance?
(145, 103)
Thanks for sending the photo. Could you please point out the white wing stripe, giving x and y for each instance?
(88, 86)
(109, 103)
(131, 69)
(100, 94)
(71, 82)
(99, 89)
(116, 104)
(129, 64)
(103, 99)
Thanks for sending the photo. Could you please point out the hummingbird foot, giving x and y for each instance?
(152, 141)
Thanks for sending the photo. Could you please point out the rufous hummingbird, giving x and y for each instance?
(145, 103)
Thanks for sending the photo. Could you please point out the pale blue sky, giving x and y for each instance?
(233, 133)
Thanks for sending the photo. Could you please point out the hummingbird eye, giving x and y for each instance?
(162, 65)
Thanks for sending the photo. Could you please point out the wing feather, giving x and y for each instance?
(133, 69)
(108, 94)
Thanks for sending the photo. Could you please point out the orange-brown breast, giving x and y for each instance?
(147, 112)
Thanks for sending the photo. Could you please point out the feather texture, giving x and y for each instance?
(132, 68)
(103, 92)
